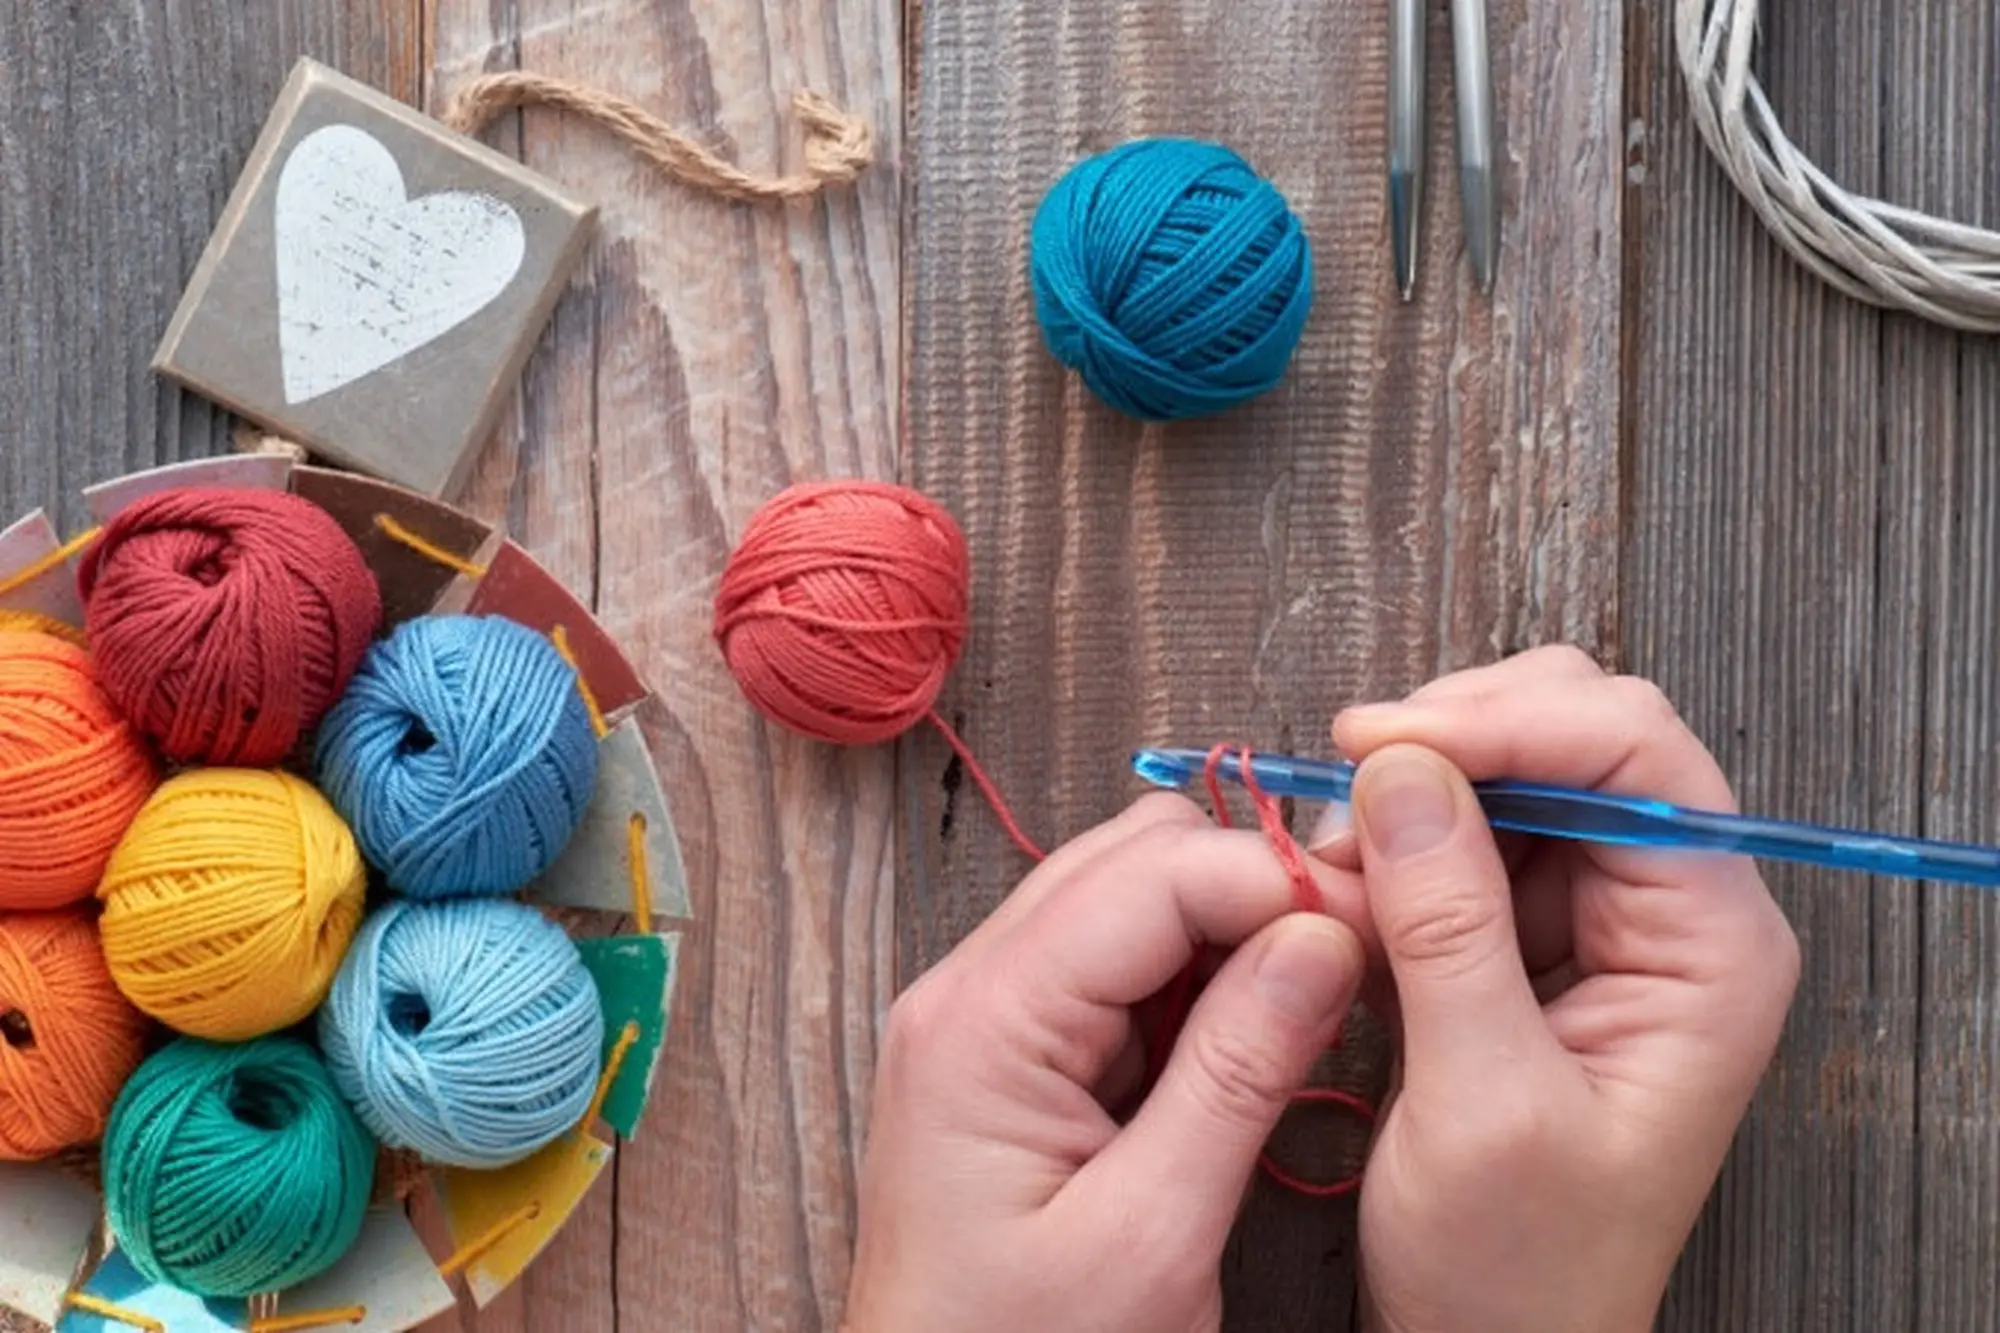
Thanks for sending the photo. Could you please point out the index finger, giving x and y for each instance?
(1125, 926)
(1614, 734)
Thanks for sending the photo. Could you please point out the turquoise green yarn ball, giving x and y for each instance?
(235, 1170)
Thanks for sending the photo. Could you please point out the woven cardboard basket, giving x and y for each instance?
(619, 887)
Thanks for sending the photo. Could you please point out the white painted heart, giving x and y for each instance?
(365, 273)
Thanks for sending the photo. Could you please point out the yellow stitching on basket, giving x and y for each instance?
(346, 1314)
(469, 1253)
(628, 1037)
(28, 573)
(106, 1310)
(561, 637)
(642, 892)
(395, 531)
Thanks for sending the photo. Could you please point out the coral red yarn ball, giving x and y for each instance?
(844, 607)
(223, 622)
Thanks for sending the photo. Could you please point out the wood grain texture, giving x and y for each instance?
(706, 355)
(122, 130)
(1810, 573)
(1433, 486)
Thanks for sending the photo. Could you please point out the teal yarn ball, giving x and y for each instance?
(461, 755)
(234, 1170)
(467, 1031)
(1171, 277)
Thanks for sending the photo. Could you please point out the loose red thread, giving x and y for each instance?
(1181, 995)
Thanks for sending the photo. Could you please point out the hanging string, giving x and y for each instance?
(839, 146)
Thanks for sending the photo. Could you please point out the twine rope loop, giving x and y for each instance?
(839, 146)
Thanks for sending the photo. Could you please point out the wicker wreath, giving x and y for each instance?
(1871, 250)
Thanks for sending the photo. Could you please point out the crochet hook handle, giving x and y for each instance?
(1597, 817)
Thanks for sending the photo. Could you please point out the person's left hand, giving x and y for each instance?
(998, 1192)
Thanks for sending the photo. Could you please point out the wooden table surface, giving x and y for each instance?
(1658, 439)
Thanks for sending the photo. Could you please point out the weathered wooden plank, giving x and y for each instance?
(1809, 555)
(1434, 485)
(122, 130)
(1940, 151)
(708, 354)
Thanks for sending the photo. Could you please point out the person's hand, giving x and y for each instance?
(997, 1191)
(1575, 1054)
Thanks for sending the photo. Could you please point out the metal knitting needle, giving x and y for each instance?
(1473, 76)
(1406, 136)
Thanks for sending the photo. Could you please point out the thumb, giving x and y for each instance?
(1440, 896)
(1247, 1048)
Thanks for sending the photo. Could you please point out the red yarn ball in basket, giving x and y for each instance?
(225, 623)
(844, 608)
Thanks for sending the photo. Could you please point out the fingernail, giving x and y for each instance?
(1406, 807)
(1308, 969)
(1334, 821)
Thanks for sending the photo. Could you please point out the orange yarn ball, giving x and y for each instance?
(68, 1039)
(72, 773)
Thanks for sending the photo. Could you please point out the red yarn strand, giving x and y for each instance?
(1180, 996)
(1359, 1108)
(992, 792)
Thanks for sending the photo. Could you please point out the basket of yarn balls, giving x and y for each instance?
(267, 948)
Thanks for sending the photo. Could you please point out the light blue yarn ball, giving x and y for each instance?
(467, 1031)
(461, 755)
(1171, 277)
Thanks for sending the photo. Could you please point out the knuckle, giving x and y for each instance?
(916, 1024)
(1646, 701)
(1784, 941)
(1447, 930)
(1781, 958)
(1566, 659)
(1166, 807)
(1234, 1077)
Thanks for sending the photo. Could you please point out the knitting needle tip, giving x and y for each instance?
(1403, 222)
(1481, 225)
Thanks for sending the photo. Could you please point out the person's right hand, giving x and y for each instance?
(1576, 1054)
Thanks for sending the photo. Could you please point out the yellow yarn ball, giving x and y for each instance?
(230, 902)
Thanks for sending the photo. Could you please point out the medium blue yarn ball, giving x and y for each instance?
(461, 755)
(1171, 276)
(466, 1031)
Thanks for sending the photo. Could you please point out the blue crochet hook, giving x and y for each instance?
(1586, 816)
